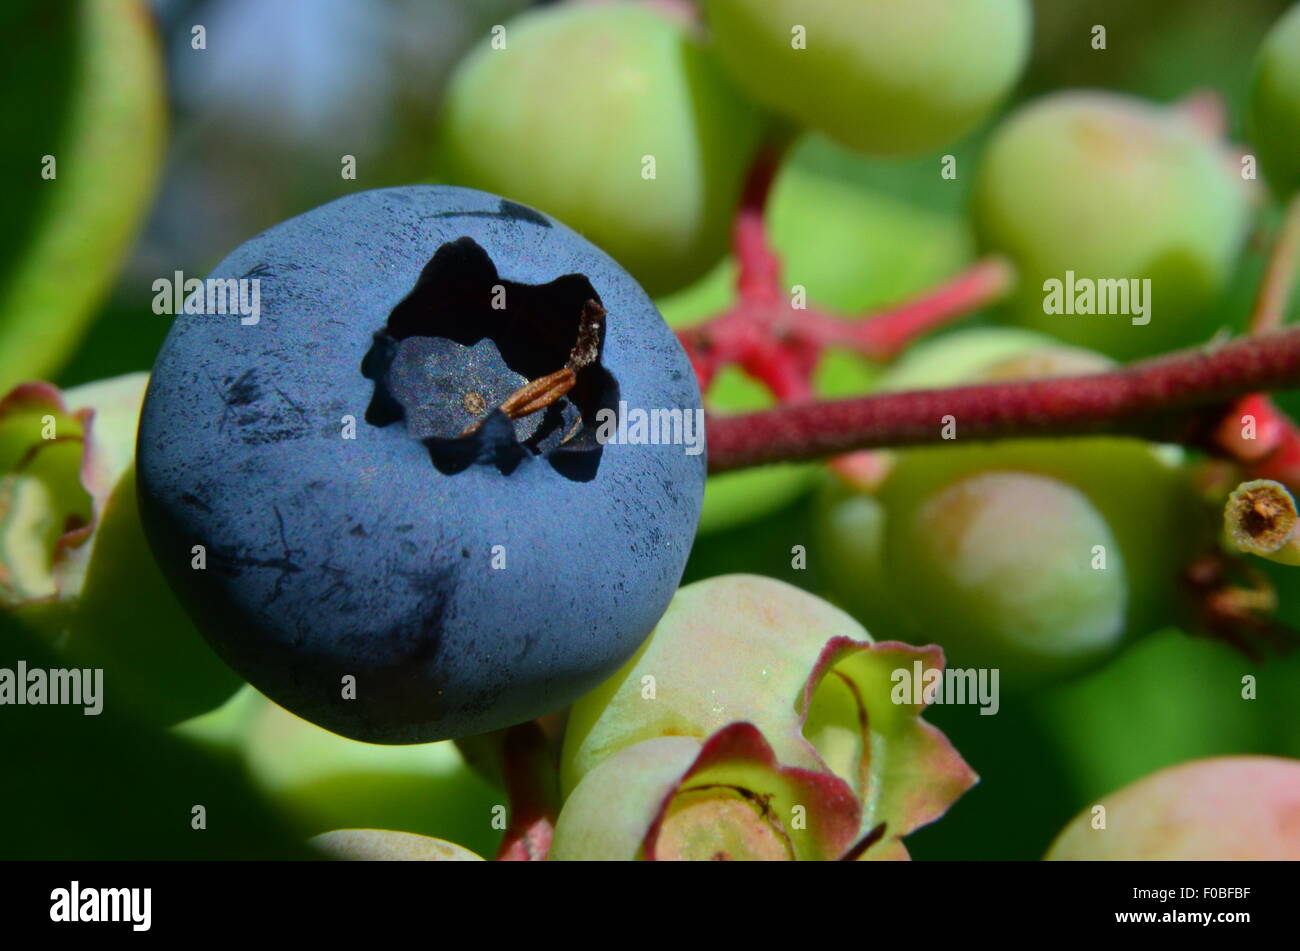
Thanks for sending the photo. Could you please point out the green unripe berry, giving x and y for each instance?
(614, 120)
(903, 578)
(850, 528)
(1112, 188)
(385, 845)
(985, 354)
(1003, 567)
(1141, 491)
(888, 77)
(1274, 112)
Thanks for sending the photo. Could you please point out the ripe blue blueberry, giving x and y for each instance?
(411, 527)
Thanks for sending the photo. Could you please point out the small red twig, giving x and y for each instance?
(1254, 431)
(757, 267)
(779, 344)
(1207, 111)
(1280, 275)
(1153, 398)
(529, 777)
(884, 335)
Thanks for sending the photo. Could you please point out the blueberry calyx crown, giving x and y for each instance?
(483, 370)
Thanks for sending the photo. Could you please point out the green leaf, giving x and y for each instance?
(83, 85)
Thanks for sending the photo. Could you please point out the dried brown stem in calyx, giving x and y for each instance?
(535, 395)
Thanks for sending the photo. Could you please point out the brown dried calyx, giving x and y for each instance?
(536, 395)
(1260, 516)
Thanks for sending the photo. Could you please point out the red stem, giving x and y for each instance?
(882, 336)
(1270, 447)
(778, 344)
(758, 268)
(530, 785)
(1146, 398)
(1207, 111)
(1279, 277)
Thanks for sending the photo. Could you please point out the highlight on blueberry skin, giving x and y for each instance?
(390, 501)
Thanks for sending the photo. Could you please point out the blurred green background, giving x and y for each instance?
(257, 124)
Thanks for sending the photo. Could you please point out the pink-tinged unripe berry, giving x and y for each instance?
(1224, 808)
(1003, 567)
